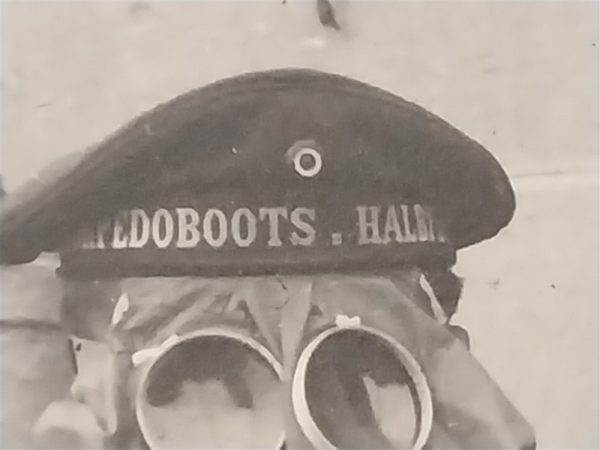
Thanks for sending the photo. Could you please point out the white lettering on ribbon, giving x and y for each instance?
(188, 234)
(162, 217)
(392, 227)
(186, 227)
(250, 226)
(424, 225)
(409, 235)
(309, 232)
(139, 229)
(213, 239)
(102, 228)
(119, 240)
(273, 214)
(368, 225)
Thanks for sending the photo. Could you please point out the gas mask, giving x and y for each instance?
(327, 361)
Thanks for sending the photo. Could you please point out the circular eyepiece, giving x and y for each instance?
(357, 387)
(212, 389)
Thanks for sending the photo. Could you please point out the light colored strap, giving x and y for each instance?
(438, 312)
(293, 322)
(293, 319)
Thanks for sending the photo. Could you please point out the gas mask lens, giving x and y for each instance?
(212, 390)
(360, 388)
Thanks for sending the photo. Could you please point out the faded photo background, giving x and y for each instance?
(521, 78)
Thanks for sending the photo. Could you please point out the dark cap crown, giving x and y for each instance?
(327, 160)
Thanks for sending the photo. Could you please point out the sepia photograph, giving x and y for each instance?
(299, 224)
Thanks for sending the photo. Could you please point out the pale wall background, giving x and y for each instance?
(519, 77)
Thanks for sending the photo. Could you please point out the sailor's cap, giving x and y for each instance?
(284, 170)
